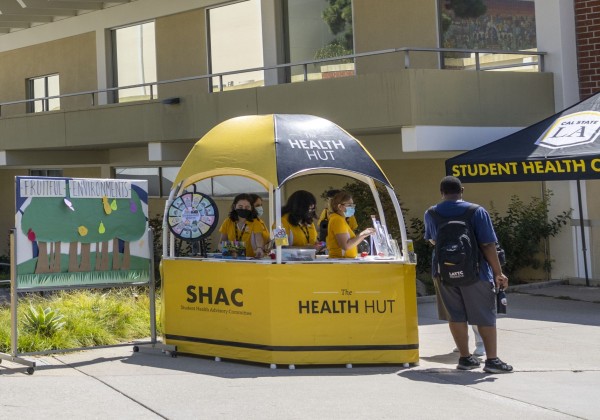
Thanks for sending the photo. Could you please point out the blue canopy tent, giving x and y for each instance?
(565, 146)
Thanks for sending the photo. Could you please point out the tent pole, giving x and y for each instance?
(546, 240)
(583, 246)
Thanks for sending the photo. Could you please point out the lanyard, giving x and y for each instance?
(305, 231)
(239, 239)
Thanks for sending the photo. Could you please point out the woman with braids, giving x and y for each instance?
(242, 226)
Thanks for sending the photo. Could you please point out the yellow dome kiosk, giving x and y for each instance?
(323, 311)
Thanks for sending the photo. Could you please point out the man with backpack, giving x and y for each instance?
(466, 262)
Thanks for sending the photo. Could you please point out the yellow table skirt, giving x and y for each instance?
(291, 313)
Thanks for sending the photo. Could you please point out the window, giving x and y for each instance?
(134, 57)
(43, 87)
(160, 181)
(507, 25)
(316, 29)
(57, 173)
(152, 175)
(235, 37)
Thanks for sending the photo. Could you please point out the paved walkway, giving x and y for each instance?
(551, 336)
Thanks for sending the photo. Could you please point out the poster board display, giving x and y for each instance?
(80, 232)
(292, 313)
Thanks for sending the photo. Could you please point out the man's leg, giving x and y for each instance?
(460, 333)
(488, 334)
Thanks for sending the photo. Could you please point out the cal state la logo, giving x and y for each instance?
(572, 130)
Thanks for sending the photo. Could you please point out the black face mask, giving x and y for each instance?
(243, 213)
(311, 215)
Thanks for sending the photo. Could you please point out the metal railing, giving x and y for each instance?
(406, 51)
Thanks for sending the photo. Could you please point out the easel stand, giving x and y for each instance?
(153, 344)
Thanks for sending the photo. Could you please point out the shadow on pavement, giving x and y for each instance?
(448, 376)
(155, 362)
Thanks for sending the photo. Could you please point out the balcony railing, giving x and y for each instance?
(454, 59)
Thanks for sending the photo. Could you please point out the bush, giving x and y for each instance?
(4, 267)
(523, 230)
(365, 206)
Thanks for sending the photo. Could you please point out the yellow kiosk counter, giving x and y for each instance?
(330, 312)
(301, 312)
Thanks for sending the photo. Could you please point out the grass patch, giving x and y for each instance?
(92, 318)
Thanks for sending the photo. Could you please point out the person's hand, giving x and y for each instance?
(319, 246)
(501, 281)
(367, 232)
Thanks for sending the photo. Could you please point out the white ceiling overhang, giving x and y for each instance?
(16, 15)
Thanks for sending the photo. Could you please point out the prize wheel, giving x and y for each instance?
(192, 216)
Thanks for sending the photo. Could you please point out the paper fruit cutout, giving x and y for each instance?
(107, 208)
(101, 228)
(69, 204)
(132, 206)
(31, 235)
(113, 205)
(82, 230)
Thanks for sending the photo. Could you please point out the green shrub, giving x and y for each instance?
(365, 206)
(523, 230)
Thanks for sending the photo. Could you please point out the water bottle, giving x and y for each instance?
(501, 302)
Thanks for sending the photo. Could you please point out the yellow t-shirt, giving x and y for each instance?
(299, 235)
(351, 220)
(337, 225)
(265, 232)
(229, 228)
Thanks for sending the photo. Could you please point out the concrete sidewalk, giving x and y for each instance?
(552, 341)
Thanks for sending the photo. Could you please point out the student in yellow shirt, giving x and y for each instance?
(242, 226)
(257, 203)
(297, 218)
(341, 240)
(324, 217)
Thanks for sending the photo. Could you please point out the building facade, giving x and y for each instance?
(124, 89)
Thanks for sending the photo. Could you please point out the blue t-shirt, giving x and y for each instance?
(482, 226)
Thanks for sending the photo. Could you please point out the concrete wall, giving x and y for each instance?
(73, 58)
(375, 102)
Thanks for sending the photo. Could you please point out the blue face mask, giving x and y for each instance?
(349, 211)
(259, 210)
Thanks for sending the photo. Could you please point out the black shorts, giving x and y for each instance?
(475, 304)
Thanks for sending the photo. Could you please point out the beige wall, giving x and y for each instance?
(374, 103)
(73, 58)
(593, 207)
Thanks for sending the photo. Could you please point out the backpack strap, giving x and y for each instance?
(466, 216)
